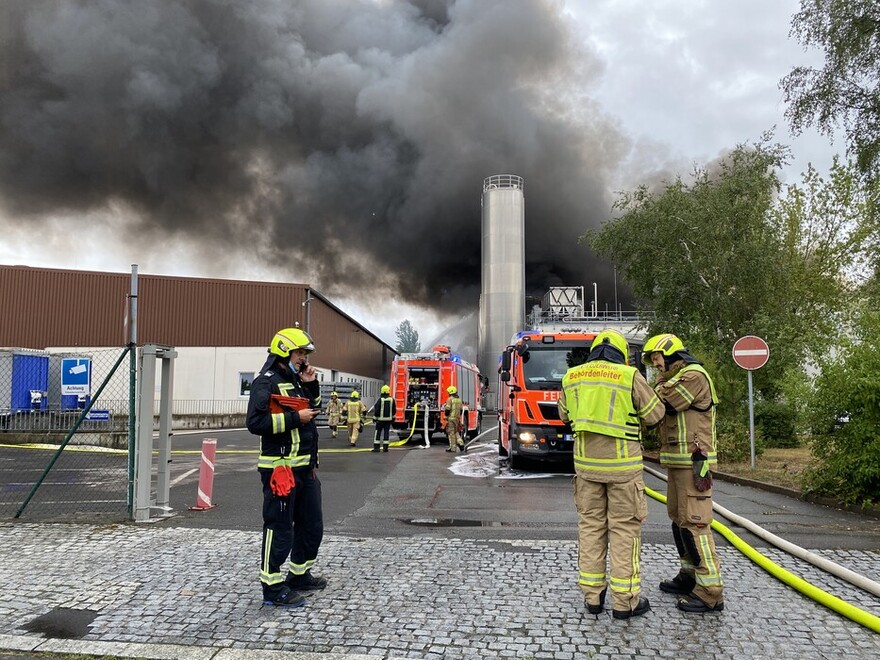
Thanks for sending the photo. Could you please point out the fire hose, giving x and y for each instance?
(400, 443)
(840, 606)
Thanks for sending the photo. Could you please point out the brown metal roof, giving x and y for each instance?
(42, 307)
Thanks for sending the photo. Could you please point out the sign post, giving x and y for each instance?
(750, 353)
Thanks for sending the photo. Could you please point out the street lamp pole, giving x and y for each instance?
(307, 303)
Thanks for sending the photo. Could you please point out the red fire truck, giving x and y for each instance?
(530, 379)
(418, 385)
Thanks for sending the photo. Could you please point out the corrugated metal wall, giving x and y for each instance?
(47, 307)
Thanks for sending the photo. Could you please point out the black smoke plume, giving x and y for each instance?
(345, 141)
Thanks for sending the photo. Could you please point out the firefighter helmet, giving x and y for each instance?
(333, 394)
(669, 345)
(614, 339)
(288, 340)
(452, 389)
(354, 394)
(385, 389)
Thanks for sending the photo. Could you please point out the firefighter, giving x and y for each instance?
(354, 412)
(293, 520)
(453, 419)
(604, 400)
(334, 412)
(687, 449)
(385, 409)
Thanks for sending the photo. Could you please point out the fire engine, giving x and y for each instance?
(531, 371)
(418, 386)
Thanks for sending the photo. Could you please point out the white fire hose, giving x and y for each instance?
(842, 607)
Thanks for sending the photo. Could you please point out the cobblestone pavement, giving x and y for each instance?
(421, 597)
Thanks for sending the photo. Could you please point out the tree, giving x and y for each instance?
(407, 338)
(726, 255)
(846, 417)
(846, 91)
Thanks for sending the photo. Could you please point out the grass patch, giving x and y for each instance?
(779, 466)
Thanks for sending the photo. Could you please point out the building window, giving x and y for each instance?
(245, 378)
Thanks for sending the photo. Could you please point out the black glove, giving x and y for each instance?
(702, 476)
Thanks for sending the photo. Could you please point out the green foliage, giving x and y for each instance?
(845, 92)
(733, 442)
(728, 254)
(775, 422)
(845, 418)
(407, 338)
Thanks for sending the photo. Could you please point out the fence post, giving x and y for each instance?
(206, 476)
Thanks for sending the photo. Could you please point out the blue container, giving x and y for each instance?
(30, 382)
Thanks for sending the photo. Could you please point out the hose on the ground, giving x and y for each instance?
(851, 612)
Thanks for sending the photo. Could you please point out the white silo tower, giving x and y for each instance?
(503, 281)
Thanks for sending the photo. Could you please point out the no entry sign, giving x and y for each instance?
(751, 352)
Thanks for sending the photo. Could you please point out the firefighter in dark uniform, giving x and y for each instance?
(293, 522)
(688, 450)
(385, 410)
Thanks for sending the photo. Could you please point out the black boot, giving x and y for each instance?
(681, 584)
(385, 448)
(306, 582)
(642, 607)
(375, 448)
(597, 609)
(691, 603)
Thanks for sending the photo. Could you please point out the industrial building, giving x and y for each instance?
(219, 329)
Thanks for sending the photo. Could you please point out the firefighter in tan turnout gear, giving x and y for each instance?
(606, 401)
(354, 412)
(334, 413)
(453, 409)
(687, 449)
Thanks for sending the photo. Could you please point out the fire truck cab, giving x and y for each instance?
(530, 379)
(418, 386)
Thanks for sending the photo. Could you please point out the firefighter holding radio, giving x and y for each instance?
(284, 400)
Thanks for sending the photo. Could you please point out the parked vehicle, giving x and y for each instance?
(419, 383)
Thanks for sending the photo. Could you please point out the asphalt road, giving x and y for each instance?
(409, 491)
(415, 491)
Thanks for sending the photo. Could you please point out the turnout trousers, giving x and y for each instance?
(691, 513)
(293, 527)
(383, 431)
(610, 514)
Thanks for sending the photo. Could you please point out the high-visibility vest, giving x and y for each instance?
(353, 410)
(383, 414)
(598, 395)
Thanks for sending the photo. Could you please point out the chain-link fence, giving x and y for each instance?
(64, 434)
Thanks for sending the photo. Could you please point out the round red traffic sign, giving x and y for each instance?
(751, 352)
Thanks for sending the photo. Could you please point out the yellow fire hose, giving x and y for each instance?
(851, 612)
(400, 443)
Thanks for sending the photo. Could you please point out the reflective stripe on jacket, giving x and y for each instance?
(598, 395)
(604, 402)
(353, 410)
(453, 408)
(692, 393)
(284, 439)
(385, 409)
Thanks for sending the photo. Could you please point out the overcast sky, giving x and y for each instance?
(343, 144)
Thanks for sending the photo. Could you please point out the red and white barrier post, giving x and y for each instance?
(206, 476)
